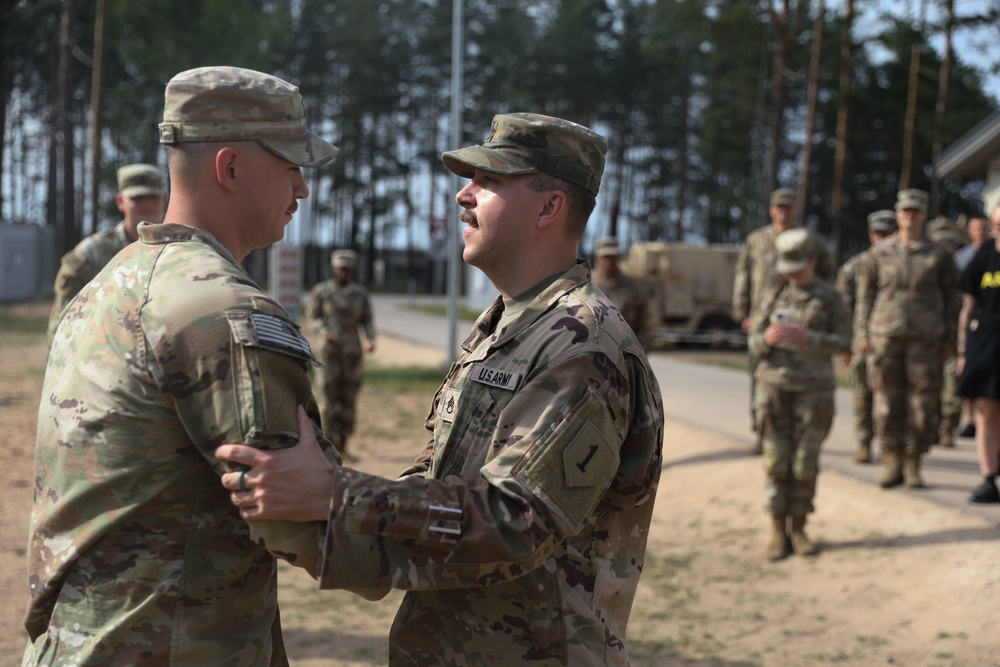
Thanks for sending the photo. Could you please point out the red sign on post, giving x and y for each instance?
(286, 277)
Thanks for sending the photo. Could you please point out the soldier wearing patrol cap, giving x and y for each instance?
(140, 197)
(756, 276)
(905, 323)
(880, 225)
(626, 294)
(338, 308)
(136, 555)
(520, 531)
(802, 323)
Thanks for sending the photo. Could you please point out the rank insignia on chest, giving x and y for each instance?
(495, 378)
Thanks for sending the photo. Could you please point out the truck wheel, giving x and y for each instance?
(716, 329)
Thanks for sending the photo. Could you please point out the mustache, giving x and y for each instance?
(468, 217)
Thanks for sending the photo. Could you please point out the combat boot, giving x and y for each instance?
(946, 438)
(778, 547)
(801, 544)
(758, 446)
(863, 454)
(911, 470)
(892, 475)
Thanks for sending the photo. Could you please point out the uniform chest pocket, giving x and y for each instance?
(463, 434)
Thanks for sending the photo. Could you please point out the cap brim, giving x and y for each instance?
(785, 266)
(465, 161)
(304, 150)
(140, 191)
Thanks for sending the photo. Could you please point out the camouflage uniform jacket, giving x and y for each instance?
(755, 270)
(847, 280)
(908, 291)
(136, 556)
(79, 266)
(521, 530)
(626, 294)
(340, 310)
(807, 367)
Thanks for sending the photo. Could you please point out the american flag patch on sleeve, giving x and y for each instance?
(278, 333)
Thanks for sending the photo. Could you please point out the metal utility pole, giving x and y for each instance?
(456, 142)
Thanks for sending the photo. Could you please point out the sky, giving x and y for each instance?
(973, 47)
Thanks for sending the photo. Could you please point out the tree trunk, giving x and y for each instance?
(911, 104)
(96, 112)
(813, 86)
(781, 32)
(68, 233)
(843, 112)
(942, 101)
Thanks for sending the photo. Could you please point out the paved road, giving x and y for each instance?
(716, 400)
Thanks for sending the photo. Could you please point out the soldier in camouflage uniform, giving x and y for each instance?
(952, 239)
(337, 309)
(136, 556)
(756, 276)
(802, 323)
(905, 323)
(140, 197)
(622, 290)
(520, 531)
(880, 224)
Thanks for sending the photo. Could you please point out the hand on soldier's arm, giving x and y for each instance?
(292, 484)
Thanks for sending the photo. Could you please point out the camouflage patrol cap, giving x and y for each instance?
(235, 104)
(528, 143)
(912, 198)
(344, 259)
(795, 248)
(783, 197)
(136, 180)
(882, 221)
(607, 247)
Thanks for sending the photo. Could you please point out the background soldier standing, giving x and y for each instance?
(802, 323)
(622, 290)
(140, 197)
(880, 224)
(943, 232)
(905, 322)
(337, 309)
(756, 276)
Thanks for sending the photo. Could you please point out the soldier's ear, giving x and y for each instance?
(226, 161)
(552, 209)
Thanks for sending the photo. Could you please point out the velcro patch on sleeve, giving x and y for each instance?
(572, 469)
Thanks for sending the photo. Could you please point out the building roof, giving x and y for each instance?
(969, 156)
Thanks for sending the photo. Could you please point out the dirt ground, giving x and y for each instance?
(900, 581)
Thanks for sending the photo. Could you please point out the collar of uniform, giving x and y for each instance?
(574, 277)
(171, 232)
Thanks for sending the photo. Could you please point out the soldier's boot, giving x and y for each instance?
(801, 544)
(758, 444)
(911, 470)
(777, 546)
(863, 454)
(946, 438)
(892, 474)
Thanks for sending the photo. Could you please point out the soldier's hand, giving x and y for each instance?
(864, 346)
(371, 346)
(745, 325)
(291, 484)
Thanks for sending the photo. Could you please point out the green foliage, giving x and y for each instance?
(680, 87)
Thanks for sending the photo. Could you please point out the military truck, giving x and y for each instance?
(690, 289)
